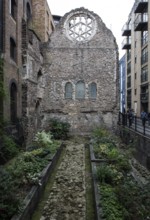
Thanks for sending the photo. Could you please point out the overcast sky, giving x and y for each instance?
(114, 13)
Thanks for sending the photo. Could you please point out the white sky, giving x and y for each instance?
(114, 13)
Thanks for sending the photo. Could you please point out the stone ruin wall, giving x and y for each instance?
(93, 61)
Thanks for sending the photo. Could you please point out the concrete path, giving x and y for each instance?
(67, 197)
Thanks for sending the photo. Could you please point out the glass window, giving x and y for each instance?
(68, 90)
(93, 90)
(80, 90)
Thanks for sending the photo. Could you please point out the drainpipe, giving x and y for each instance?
(1, 26)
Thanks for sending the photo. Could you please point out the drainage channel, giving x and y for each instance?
(68, 194)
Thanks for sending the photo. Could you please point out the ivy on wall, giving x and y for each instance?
(2, 93)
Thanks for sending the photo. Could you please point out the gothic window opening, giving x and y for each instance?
(93, 90)
(68, 90)
(12, 49)
(13, 102)
(80, 90)
(28, 11)
(39, 76)
(12, 8)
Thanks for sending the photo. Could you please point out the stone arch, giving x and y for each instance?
(92, 90)
(80, 90)
(68, 90)
(13, 101)
(39, 75)
(27, 10)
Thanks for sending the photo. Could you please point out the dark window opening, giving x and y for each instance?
(13, 102)
(13, 8)
(28, 12)
(12, 49)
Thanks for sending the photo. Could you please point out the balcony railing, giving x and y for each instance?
(144, 77)
(144, 58)
(140, 6)
(141, 22)
(144, 97)
(126, 30)
(144, 40)
(126, 44)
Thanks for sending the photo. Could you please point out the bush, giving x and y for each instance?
(8, 148)
(43, 139)
(9, 202)
(59, 129)
(104, 174)
(111, 208)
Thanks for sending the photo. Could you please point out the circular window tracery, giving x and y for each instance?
(81, 27)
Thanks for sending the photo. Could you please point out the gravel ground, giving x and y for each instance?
(67, 196)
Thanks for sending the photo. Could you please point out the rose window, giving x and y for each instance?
(81, 27)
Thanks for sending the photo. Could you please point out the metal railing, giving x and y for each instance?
(135, 123)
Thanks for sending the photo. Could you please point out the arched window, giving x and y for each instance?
(80, 90)
(13, 102)
(12, 8)
(93, 90)
(13, 49)
(28, 12)
(68, 90)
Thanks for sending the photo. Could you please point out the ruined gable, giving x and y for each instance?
(81, 72)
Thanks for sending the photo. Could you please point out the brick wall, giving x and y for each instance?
(42, 19)
(12, 70)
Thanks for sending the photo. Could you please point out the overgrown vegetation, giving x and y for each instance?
(8, 147)
(59, 129)
(23, 172)
(122, 197)
(2, 91)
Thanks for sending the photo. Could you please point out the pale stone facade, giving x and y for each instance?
(81, 73)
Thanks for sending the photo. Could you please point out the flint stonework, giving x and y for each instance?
(93, 61)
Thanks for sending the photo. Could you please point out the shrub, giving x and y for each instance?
(8, 148)
(104, 174)
(43, 139)
(8, 200)
(59, 129)
(111, 208)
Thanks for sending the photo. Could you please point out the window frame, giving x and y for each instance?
(70, 96)
(78, 90)
(91, 96)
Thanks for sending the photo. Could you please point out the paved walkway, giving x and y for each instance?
(67, 197)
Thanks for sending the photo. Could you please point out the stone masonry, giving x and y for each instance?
(67, 197)
(94, 60)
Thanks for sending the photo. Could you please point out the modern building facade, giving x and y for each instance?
(122, 70)
(137, 46)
